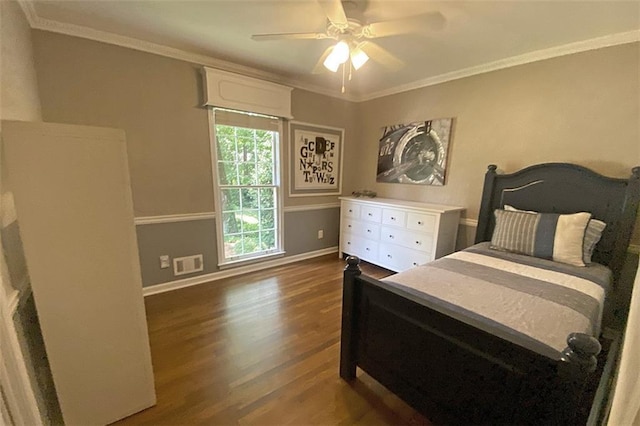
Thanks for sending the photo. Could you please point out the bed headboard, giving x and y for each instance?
(567, 188)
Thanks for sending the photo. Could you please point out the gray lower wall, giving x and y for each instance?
(178, 239)
(301, 230)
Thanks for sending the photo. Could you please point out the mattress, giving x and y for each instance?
(535, 303)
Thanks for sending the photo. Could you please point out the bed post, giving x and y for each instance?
(484, 216)
(577, 362)
(347, 355)
(627, 220)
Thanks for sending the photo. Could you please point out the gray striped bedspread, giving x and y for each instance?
(533, 302)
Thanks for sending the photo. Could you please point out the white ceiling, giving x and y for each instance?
(478, 35)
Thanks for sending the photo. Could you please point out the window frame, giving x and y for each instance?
(224, 262)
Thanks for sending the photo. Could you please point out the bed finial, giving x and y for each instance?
(492, 168)
(352, 263)
(580, 355)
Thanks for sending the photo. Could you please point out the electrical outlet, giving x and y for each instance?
(320, 234)
(164, 261)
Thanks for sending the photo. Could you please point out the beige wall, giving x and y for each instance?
(19, 93)
(313, 108)
(156, 101)
(582, 108)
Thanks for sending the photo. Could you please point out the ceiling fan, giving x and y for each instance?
(353, 47)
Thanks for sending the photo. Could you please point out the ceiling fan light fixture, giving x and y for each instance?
(358, 58)
(338, 56)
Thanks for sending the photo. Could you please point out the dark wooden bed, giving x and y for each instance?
(453, 372)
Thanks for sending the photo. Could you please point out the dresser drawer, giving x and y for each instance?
(401, 258)
(371, 214)
(361, 247)
(394, 217)
(351, 210)
(422, 222)
(412, 258)
(406, 238)
(363, 229)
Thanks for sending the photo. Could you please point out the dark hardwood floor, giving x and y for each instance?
(261, 349)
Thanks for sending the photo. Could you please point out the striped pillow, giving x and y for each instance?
(558, 237)
(592, 235)
(591, 238)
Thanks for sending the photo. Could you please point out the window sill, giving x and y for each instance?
(242, 262)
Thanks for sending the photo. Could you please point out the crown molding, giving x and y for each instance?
(29, 11)
(538, 55)
(38, 23)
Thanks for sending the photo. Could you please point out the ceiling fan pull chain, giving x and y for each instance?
(350, 69)
(343, 75)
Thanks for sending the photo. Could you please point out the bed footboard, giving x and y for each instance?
(451, 371)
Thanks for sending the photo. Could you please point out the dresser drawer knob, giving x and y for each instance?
(419, 222)
(367, 249)
(370, 214)
(348, 243)
(391, 236)
(389, 256)
(418, 242)
(415, 263)
(348, 226)
(369, 230)
(350, 211)
(393, 218)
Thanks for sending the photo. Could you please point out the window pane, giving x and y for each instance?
(267, 219)
(250, 198)
(268, 240)
(247, 173)
(250, 221)
(265, 173)
(230, 223)
(251, 242)
(232, 245)
(228, 173)
(231, 200)
(267, 196)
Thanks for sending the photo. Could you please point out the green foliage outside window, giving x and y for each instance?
(247, 181)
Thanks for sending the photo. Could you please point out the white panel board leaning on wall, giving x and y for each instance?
(75, 212)
(625, 409)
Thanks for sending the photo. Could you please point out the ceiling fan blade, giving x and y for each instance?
(335, 12)
(381, 55)
(320, 68)
(288, 36)
(432, 21)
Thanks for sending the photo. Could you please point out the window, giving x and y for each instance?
(246, 160)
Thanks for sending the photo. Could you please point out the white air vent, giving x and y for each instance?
(188, 264)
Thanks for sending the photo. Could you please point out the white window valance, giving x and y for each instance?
(228, 90)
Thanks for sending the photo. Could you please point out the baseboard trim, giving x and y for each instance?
(214, 276)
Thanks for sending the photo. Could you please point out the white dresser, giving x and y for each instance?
(396, 234)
